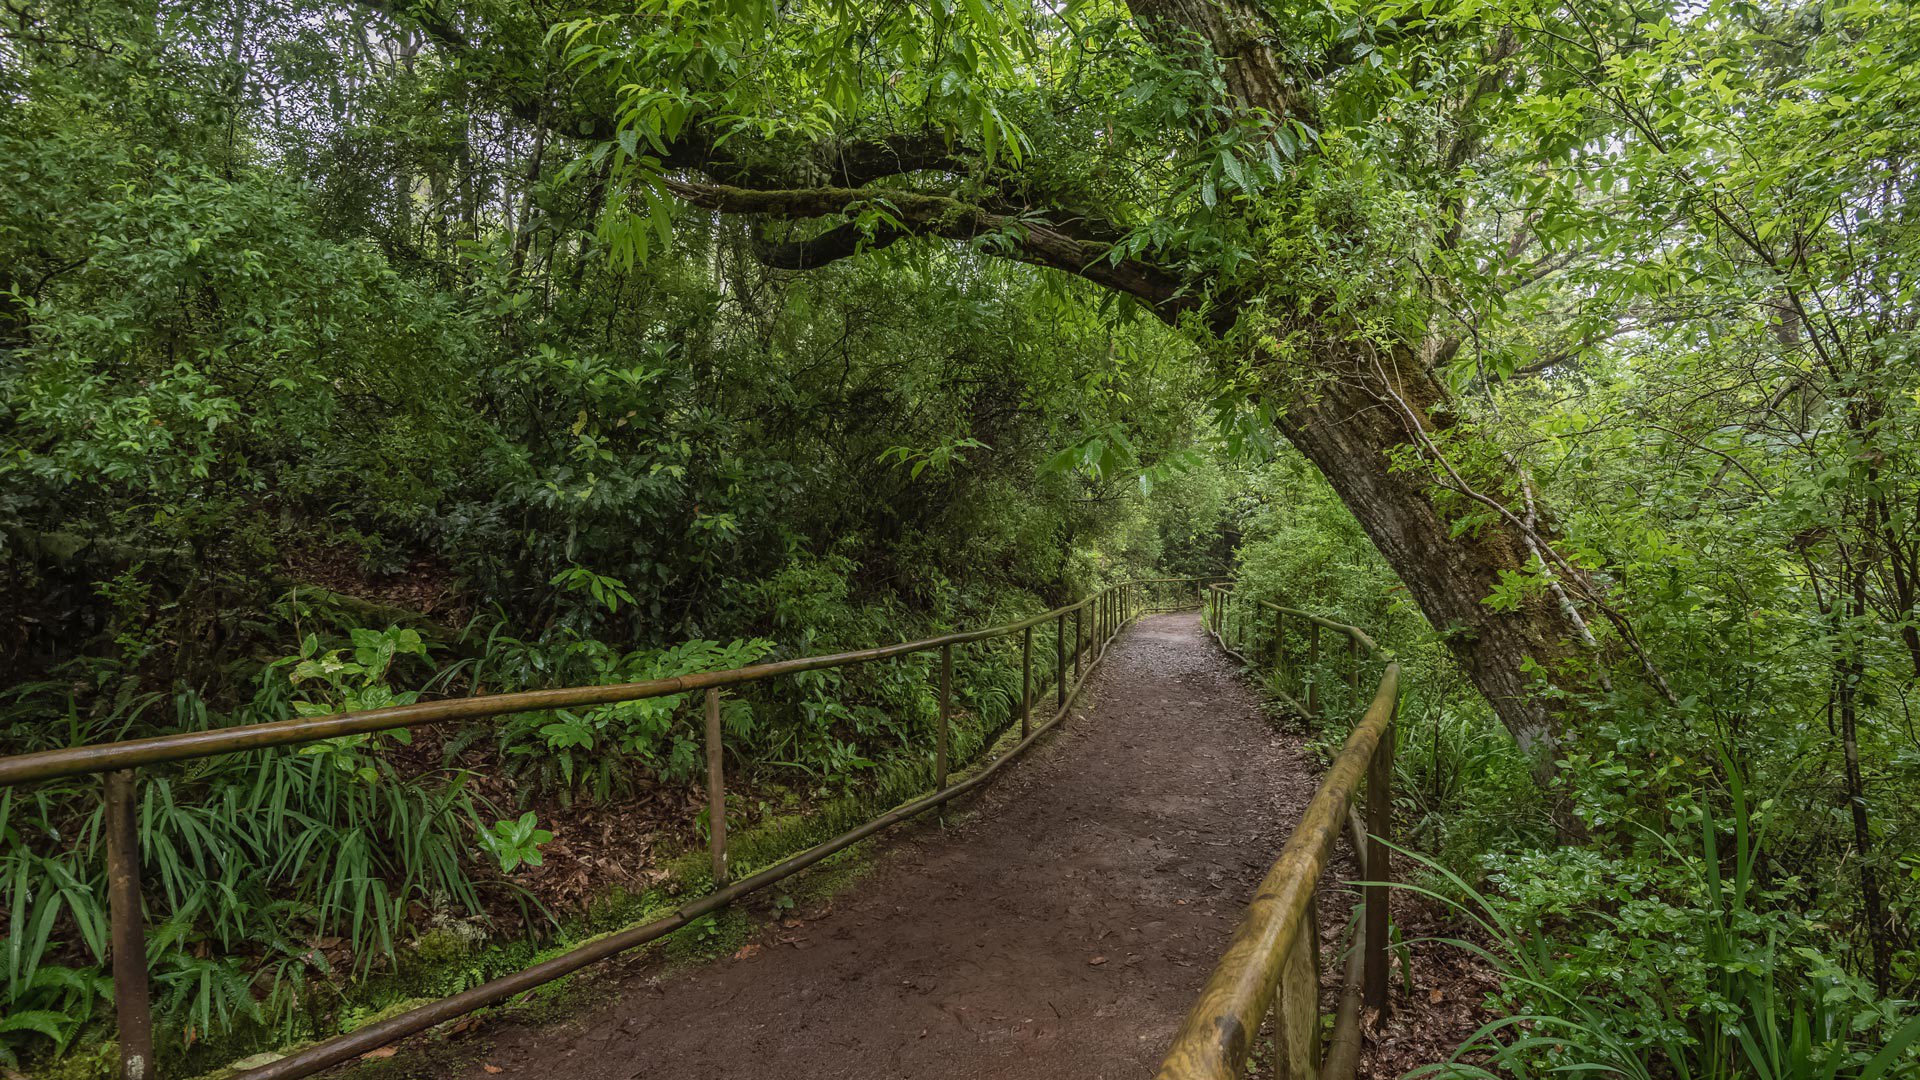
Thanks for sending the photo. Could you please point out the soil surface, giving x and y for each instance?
(1059, 924)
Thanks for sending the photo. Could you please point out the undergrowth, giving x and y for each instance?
(294, 893)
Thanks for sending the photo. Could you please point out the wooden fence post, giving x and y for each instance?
(1060, 660)
(1280, 646)
(716, 791)
(1380, 830)
(1353, 672)
(1079, 646)
(1026, 682)
(946, 713)
(132, 1006)
(1296, 1003)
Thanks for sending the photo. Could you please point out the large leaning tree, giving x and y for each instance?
(1323, 194)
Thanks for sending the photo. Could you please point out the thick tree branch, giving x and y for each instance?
(843, 163)
(839, 162)
(839, 242)
(1028, 239)
(854, 162)
(830, 179)
(1235, 32)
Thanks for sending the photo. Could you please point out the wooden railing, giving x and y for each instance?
(1272, 964)
(1095, 622)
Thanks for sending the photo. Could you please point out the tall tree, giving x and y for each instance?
(1223, 164)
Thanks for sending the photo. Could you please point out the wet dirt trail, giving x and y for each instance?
(1059, 924)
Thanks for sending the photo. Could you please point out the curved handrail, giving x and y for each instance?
(1359, 636)
(1271, 962)
(160, 749)
(1110, 609)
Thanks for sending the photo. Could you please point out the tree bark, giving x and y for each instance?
(1238, 35)
(1369, 405)
(1351, 427)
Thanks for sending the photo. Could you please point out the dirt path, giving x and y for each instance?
(1059, 925)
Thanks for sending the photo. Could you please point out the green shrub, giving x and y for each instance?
(1678, 960)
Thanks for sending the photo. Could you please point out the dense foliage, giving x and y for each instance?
(356, 351)
(318, 396)
(1701, 384)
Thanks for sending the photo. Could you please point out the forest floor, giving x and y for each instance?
(1059, 923)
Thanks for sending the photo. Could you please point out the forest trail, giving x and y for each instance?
(1059, 924)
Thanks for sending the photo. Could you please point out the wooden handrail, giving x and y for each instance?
(1115, 607)
(1271, 962)
(106, 757)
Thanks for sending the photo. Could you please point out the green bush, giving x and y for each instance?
(1675, 960)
